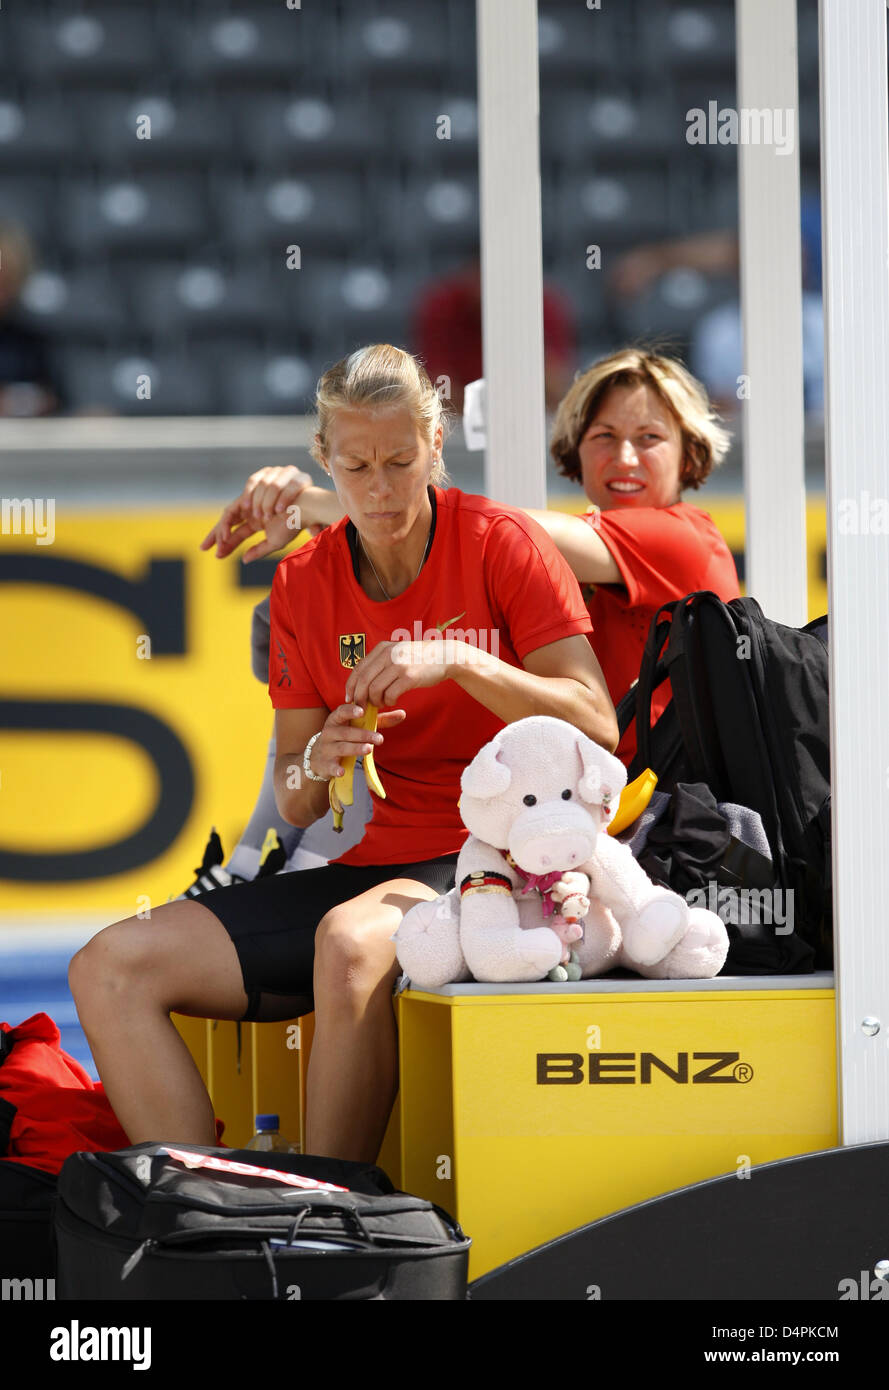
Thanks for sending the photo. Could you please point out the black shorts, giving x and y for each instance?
(272, 923)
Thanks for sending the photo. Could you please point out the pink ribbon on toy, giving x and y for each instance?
(544, 884)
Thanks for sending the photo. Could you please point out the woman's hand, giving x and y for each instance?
(394, 668)
(268, 503)
(338, 739)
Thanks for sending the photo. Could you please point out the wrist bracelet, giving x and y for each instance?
(312, 776)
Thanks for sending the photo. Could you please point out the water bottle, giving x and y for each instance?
(268, 1139)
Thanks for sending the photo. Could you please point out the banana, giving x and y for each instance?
(335, 804)
(633, 800)
(341, 791)
(371, 776)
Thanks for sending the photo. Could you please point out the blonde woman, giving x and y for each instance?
(405, 552)
(634, 430)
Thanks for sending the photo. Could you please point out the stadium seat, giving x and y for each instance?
(180, 130)
(415, 122)
(306, 130)
(86, 303)
(27, 203)
(432, 213)
(718, 206)
(608, 209)
(577, 42)
(101, 45)
(609, 126)
(254, 42)
(198, 297)
(37, 131)
(179, 384)
(323, 212)
(152, 211)
(692, 37)
(395, 38)
(674, 304)
(268, 382)
(347, 306)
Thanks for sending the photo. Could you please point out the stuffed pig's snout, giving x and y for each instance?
(552, 835)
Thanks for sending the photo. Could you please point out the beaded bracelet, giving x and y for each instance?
(312, 776)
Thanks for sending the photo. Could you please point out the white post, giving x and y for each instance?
(511, 251)
(855, 221)
(771, 308)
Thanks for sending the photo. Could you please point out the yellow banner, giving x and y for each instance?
(130, 720)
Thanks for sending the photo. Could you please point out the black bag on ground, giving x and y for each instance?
(27, 1197)
(749, 718)
(141, 1224)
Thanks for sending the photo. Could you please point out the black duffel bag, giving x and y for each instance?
(141, 1223)
(27, 1195)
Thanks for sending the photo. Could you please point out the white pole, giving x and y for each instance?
(855, 221)
(511, 251)
(771, 308)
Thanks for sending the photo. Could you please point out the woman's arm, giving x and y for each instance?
(271, 498)
(581, 545)
(319, 506)
(279, 501)
(562, 679)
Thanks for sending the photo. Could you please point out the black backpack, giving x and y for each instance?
(748, 717)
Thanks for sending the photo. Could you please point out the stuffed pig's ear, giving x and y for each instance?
(604, 777)
(486, 775)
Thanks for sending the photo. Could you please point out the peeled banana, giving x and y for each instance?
(340, 790)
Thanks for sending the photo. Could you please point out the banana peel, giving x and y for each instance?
(341, 790)
(633, 800)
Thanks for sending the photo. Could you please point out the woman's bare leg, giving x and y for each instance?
(125, 982)
(352, 1079)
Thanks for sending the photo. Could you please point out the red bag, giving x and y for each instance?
(49, 1105)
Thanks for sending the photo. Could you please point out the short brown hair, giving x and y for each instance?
(705, 442)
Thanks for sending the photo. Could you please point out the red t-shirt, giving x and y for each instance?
(491, 572)
(662, 553)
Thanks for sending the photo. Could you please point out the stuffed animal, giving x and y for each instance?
(537, 863)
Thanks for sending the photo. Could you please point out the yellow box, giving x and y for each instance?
(528, 1113)
(265, 1072)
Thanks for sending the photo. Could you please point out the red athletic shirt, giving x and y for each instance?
(662, 553)
(491, 572)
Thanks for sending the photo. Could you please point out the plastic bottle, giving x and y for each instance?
(267, 1137)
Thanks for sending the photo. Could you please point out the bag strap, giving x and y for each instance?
(689, 680)
(636, 704)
